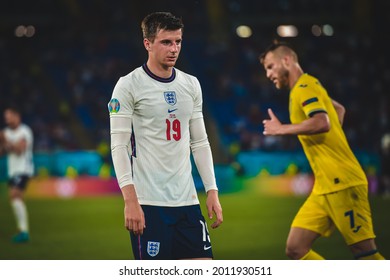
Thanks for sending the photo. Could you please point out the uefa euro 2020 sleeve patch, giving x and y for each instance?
(114, 105)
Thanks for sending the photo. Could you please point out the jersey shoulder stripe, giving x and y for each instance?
(310, 100)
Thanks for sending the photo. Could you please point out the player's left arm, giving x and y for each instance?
(317, 123)
(201, 152)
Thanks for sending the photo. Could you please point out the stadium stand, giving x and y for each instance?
(63, 76)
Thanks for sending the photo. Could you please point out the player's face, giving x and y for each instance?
(11, 118)
(165, 48)
(276, 71)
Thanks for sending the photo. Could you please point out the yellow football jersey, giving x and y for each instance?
(334, 165)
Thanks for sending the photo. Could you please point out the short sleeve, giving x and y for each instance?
(122, 100)
(310, 100)
(198, 100)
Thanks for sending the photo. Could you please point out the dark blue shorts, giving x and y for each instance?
(172, 233)
(19, 182)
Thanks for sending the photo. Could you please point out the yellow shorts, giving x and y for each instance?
(347, 210)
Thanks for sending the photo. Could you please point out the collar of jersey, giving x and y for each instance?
(157, 78)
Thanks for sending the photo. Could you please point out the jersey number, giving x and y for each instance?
(206, 236)
(173, 129)
(355, 228)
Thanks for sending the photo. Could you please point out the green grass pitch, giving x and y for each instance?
(255, 228)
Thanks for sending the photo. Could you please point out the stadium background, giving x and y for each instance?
(61, 59)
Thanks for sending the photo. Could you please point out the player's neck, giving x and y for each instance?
(13, 126)
(295, 74)
(159, 70)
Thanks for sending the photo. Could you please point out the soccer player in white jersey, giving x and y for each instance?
(17, 141)
(156, 121)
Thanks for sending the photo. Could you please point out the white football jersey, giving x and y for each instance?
(161, 110)
(20, 164)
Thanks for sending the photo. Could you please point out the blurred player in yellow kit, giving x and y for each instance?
(339, 198)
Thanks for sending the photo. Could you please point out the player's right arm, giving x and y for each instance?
(340, 110)
(120, 141)
(121, 109)
(318, 123)
(134, 215)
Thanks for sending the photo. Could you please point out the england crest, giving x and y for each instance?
(170, 97)
(153, 248)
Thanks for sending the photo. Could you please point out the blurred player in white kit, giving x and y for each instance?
(16, 140)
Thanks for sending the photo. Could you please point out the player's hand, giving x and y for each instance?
(214, 207)
(272, 126)
(134, 215)
(134, 218)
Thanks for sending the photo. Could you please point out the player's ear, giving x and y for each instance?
(285, 60)
(288, 60)
(147, 44)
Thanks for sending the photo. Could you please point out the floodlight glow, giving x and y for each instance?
(30, 31)
(20, 31)
(287, 31)
(316, 30)
(244, 31)
(328, 30)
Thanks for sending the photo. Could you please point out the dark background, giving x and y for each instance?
(63, 76)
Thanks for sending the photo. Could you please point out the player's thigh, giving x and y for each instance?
(313, 216)
(17, 185)
(351, 214)
(156, 241)
(191, 237)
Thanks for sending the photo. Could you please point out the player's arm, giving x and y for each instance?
(317, 123)
(340, 110)
(201, 152)
(134, 215)
(17, 148)
(120, 141)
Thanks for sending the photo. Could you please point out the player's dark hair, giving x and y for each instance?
(14, 108)
(154, 22)
(275, 45)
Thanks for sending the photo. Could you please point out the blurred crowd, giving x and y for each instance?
(344, 65)
(63, 77)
